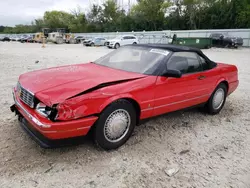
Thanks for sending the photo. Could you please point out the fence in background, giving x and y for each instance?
(144, 36)
(243, 33)
(166, 35)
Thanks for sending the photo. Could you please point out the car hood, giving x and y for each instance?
(113, 40)
(54, 85)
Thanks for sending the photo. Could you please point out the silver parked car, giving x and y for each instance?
(97, 41)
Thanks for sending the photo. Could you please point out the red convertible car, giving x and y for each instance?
(112, 94)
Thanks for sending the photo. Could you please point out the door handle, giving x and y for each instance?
(201, 77)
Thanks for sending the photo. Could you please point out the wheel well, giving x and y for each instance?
(137, 108)
(132, 101)
(226, 83)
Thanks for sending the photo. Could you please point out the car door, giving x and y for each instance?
(130, 40)
(133, 40)
(125, 40)
(177, 93)
(103, 41)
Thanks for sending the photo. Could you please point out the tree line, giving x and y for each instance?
(146, 15)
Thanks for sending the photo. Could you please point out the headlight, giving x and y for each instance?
(43, 109)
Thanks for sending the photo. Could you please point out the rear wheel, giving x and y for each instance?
(134, 43)
(115, 125)
(217, 100)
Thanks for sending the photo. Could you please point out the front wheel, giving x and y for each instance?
(115, 125)
(117, 45)
(217, 100)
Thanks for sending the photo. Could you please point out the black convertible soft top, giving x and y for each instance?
(177, 48)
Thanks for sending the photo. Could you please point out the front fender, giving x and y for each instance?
(113, 99)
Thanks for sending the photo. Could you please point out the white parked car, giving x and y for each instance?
(122, 40)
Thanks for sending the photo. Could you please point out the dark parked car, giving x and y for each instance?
(22, 37)
(88, 42)
(225, 40)
(27, 39)
(5, 38)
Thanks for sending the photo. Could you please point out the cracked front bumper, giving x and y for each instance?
(42, 128)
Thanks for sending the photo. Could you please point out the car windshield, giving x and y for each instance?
(137, 59)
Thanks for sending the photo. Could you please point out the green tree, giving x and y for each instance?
(57, 19)
(149, 13)
(94, 18)
(79, 22)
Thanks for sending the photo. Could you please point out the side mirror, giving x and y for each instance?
(172, 73)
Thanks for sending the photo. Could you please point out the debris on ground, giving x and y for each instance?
(171, 172)
(184, 151)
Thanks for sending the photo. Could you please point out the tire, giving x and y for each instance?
(117, 45)
(59, 40)
(72, 41)
(134, 43)
(105, 44)
(92, 44)
(104, 126)
(214, 107)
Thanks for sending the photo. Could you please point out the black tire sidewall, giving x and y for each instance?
(117, 45)
(210, 107)
(99, 125)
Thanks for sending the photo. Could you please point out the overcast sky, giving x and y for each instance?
(14, 12)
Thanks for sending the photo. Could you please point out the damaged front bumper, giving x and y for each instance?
(43, 130)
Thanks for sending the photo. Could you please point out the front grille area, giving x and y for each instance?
(25, 96)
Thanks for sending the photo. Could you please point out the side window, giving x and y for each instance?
(204, 64)
(126, 38)
(186, 62)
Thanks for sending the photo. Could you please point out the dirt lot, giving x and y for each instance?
(209, 151)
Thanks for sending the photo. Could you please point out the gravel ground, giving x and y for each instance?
(207, 151)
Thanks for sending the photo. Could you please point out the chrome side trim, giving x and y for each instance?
(161, 106)
(35, 120)
(182, 94)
